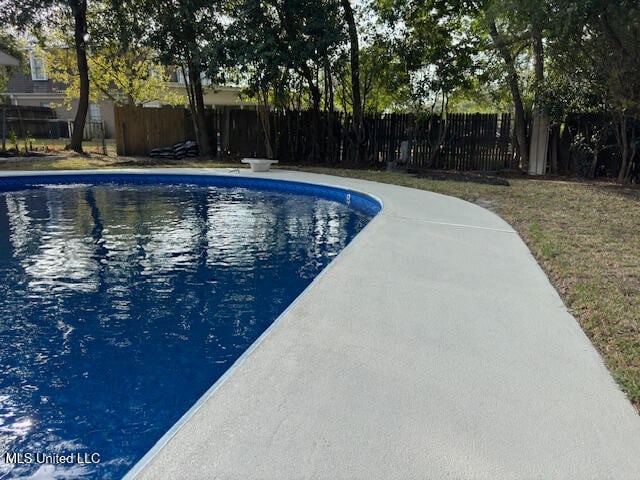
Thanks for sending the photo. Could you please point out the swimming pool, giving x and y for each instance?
(125, 297)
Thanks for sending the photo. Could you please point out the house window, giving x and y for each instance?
(94, 112)
(204, 80)
(38, 71)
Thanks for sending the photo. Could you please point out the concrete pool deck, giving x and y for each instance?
(433, 347)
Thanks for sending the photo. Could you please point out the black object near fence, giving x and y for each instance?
(176, 152)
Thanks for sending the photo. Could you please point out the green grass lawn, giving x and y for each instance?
(583, 234)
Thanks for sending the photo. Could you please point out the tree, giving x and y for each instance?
(33, 13)
(80, 35)
(8, 45)
(121, 67)
(433, 38)
(288, 44)
(539, 19)
(517, 31)
(357, 127)
(384, 79)
(188, 33)
(301, 36)
(596, 59)
(505, 46)
(354, 60)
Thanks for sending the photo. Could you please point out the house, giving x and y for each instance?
(215, 96)
(32, 87)
(8, 60)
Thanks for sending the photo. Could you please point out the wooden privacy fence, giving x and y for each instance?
(469, 142)
(139, 130)
(294, 136)
(457, 141)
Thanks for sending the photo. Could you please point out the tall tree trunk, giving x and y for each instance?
(290, 33)
(594, 162)
(264, 117)
(555, 146)
(540, 132)
(514, 88)
(79, 9)
(317, 143)
(599, 134)
(316, 95)
(355, 63)
(538, 56)
(354, 50)
(329, 120)
(623, 174)
(190, 95)
(199, 113)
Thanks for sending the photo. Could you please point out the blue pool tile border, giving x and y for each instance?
(358, 201)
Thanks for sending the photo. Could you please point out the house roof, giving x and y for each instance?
(6, 59)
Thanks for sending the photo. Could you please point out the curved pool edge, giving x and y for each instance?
(432, 346)
(188, 415)
(359, 201)
(356, 199)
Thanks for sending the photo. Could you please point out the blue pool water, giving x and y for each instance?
(121, 304)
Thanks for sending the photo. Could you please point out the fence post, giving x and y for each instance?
(21, 123)
(124, 141)
(226, 129)
(104, 143)
(4, 129)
